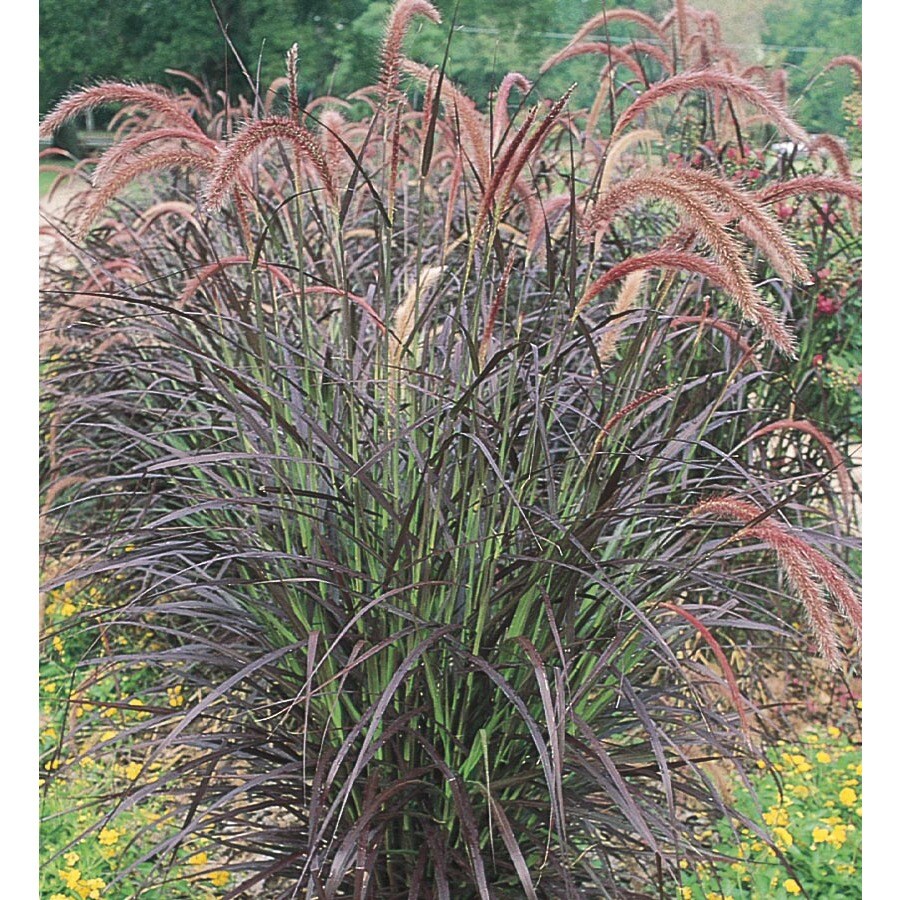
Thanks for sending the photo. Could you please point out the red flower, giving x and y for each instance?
(827, 306)
(784, 210)
(817, 360)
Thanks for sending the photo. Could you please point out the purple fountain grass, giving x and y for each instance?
(458, 106)
(146, 97)
(506, 175)
(487, 333)
(710, 80)
(615, 54)
(806, 569)
(721, 658)
(392, 51)
(254, 136)
(706, 321)
(699, 214)
(122, 150)
(751, 217)
(128, 171)
(602, 19)
(501, 105)
(852, 62)
(629, 407)
(772, 327)
(805, 185)
(834, 455)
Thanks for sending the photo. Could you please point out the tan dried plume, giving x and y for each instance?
(625, 300)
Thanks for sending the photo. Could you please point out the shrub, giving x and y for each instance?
(422, 451)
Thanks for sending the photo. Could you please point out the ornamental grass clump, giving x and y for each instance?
(402, 439)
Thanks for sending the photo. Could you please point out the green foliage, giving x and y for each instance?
(817, 32)
(807, 798)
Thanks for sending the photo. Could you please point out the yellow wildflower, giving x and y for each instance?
(71, 859)
(801, 790)
(50, 687)
(199, 859)
(791, 886)
(685, 893)
(51, 765)
(820, 835)
(219, 878)
(70, 877)
(845, 869)
(783, 836)
(776, 816)
(58, 644)
(67, 609)
(834, 732)
(108, 836)
(838, 835)
(823, 757)
(59, 897)
(176, 698)
(132, 770)
(847, 796)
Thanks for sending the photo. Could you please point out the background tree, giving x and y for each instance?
(814, 33)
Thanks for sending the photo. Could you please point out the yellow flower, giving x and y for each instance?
(838, 836)
(70, 877)
(823, 757)
(834, 732)
(67, 609)
(132, 770)
(845, 869)
(176, 698)
(800, 790)
(199, 859)
(685, 893)
(776, 816)
(59, 897)
(847, 796)
(51, 765)
(791, 886)
(820, 835)
(219, 878)
(783, 836)
(50, 687)
(71, 858)
(108, 836)
(58, 644)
